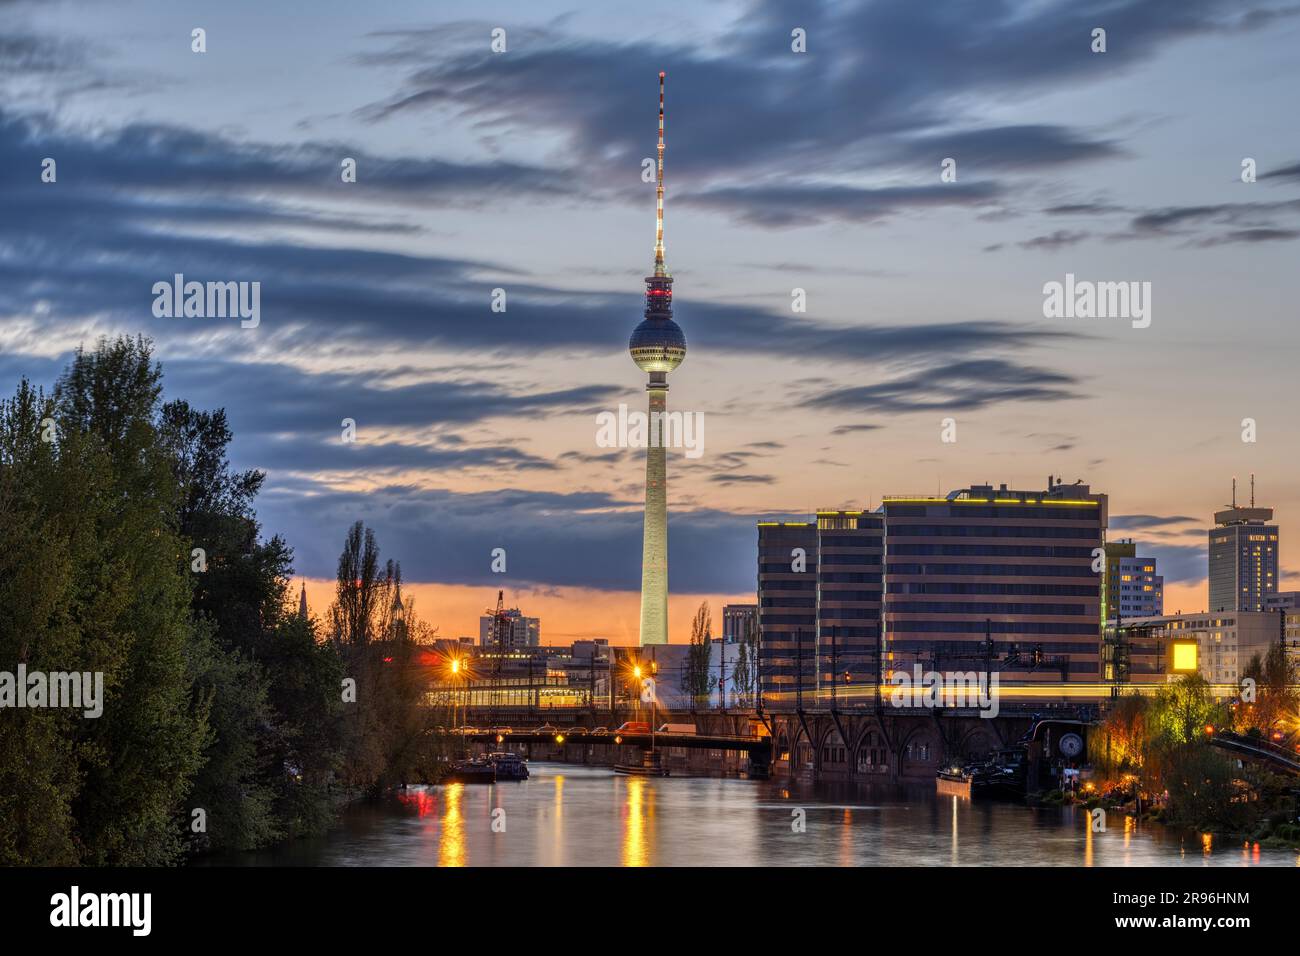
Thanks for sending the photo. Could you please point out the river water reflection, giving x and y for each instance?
(569, 815)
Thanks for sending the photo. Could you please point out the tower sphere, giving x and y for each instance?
(657, 345)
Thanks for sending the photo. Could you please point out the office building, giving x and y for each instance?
(1243, 557)
(819, 590)
(1138, 651)
(521, 631)
(1016, 565)
(1131, 587)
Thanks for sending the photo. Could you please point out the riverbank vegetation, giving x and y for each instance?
(129, 547)
(1155, 756)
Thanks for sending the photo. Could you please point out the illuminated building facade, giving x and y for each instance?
(1243, 556)
(1131, 587)
(1017, 564)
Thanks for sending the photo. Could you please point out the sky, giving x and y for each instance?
(819, 171)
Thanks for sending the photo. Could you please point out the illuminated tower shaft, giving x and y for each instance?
(654, 546)
(657, 346)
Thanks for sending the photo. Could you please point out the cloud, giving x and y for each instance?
(1139, 522)
(806, 204)
(586, 539)
(957, 386)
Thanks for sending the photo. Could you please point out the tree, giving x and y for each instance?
(129, 602)
(388, 736)
(744, 676)
(696, 680)
(1275, 695)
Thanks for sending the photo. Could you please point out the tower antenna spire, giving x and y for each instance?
(659, 192)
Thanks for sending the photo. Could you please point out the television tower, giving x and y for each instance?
(657, 346)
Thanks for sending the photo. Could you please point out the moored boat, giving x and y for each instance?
(476, 770)
(650, 766)
(508, 766)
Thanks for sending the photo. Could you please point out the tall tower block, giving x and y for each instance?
(657, 346)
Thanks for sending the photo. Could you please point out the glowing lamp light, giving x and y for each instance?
(1184, 657)
(559, 738)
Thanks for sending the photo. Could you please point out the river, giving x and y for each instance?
(572, 815)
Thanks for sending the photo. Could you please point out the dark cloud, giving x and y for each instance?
(1056, 240)
(1183, 220)
(998, 148)
(1083, 209)
(965, 385)
(1286, 172)
(581, 539)
(1179, 565)
(881, 74)
(850, 429)
(742, 479)
(783, 205)
(79, 249)
(1249, 236)
(1137, 522)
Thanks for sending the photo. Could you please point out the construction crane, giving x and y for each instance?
(498, 635)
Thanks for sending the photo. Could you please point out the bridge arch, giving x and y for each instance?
(978, 740)
(872, 751)
(833, 751)
(920, 751)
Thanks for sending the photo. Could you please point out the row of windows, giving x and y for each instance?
(994, 570)
(949, 587)
(1016, 512)
(993, 550)
(987, 531)
(862, 560)
(961, 607)
(998, 627)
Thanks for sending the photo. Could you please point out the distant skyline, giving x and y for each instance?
(820, 171)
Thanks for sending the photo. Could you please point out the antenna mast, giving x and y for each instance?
(659, 192)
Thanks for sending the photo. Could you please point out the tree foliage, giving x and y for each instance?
(217, 696)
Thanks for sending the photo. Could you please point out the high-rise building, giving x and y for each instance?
(819, 594)
(658, 346)
(1015, 565)
(1243, 557)
(521, 632)
(1130, 586)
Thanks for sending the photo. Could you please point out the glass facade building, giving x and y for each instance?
(1016, 566)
